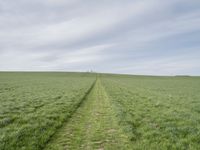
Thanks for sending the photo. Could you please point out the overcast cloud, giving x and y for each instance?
(153, 37)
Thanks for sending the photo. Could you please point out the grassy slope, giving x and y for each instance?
(34, 105)
(142, 112)
(157, 112)
(93, 126)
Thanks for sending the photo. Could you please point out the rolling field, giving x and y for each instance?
(157, 112)
(34, 105)
(105, 112)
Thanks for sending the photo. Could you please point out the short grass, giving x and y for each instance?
(56, 111)
(93, 126)
(157, 112)
(34, 105)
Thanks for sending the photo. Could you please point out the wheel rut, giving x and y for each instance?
(93, 126)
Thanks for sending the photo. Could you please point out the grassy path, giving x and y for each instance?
(93, 126)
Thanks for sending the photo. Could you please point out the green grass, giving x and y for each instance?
(157, 112)
(93, 126)
(66, 110)
(34, 105)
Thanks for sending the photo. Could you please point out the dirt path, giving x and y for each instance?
(93, 126)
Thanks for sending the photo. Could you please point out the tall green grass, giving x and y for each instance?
(157, 112)
(154, 112)
(34, 105)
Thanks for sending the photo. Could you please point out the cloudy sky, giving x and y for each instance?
(120, 36)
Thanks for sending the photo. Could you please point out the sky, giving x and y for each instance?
(147, 37)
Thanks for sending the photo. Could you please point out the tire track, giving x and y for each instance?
(72, 112)
(92, 126)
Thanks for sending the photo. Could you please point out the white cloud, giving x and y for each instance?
(173, 65)
(62, 35)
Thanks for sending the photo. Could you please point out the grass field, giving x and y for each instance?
(106, 112)
(157, 112)
(34, 105)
